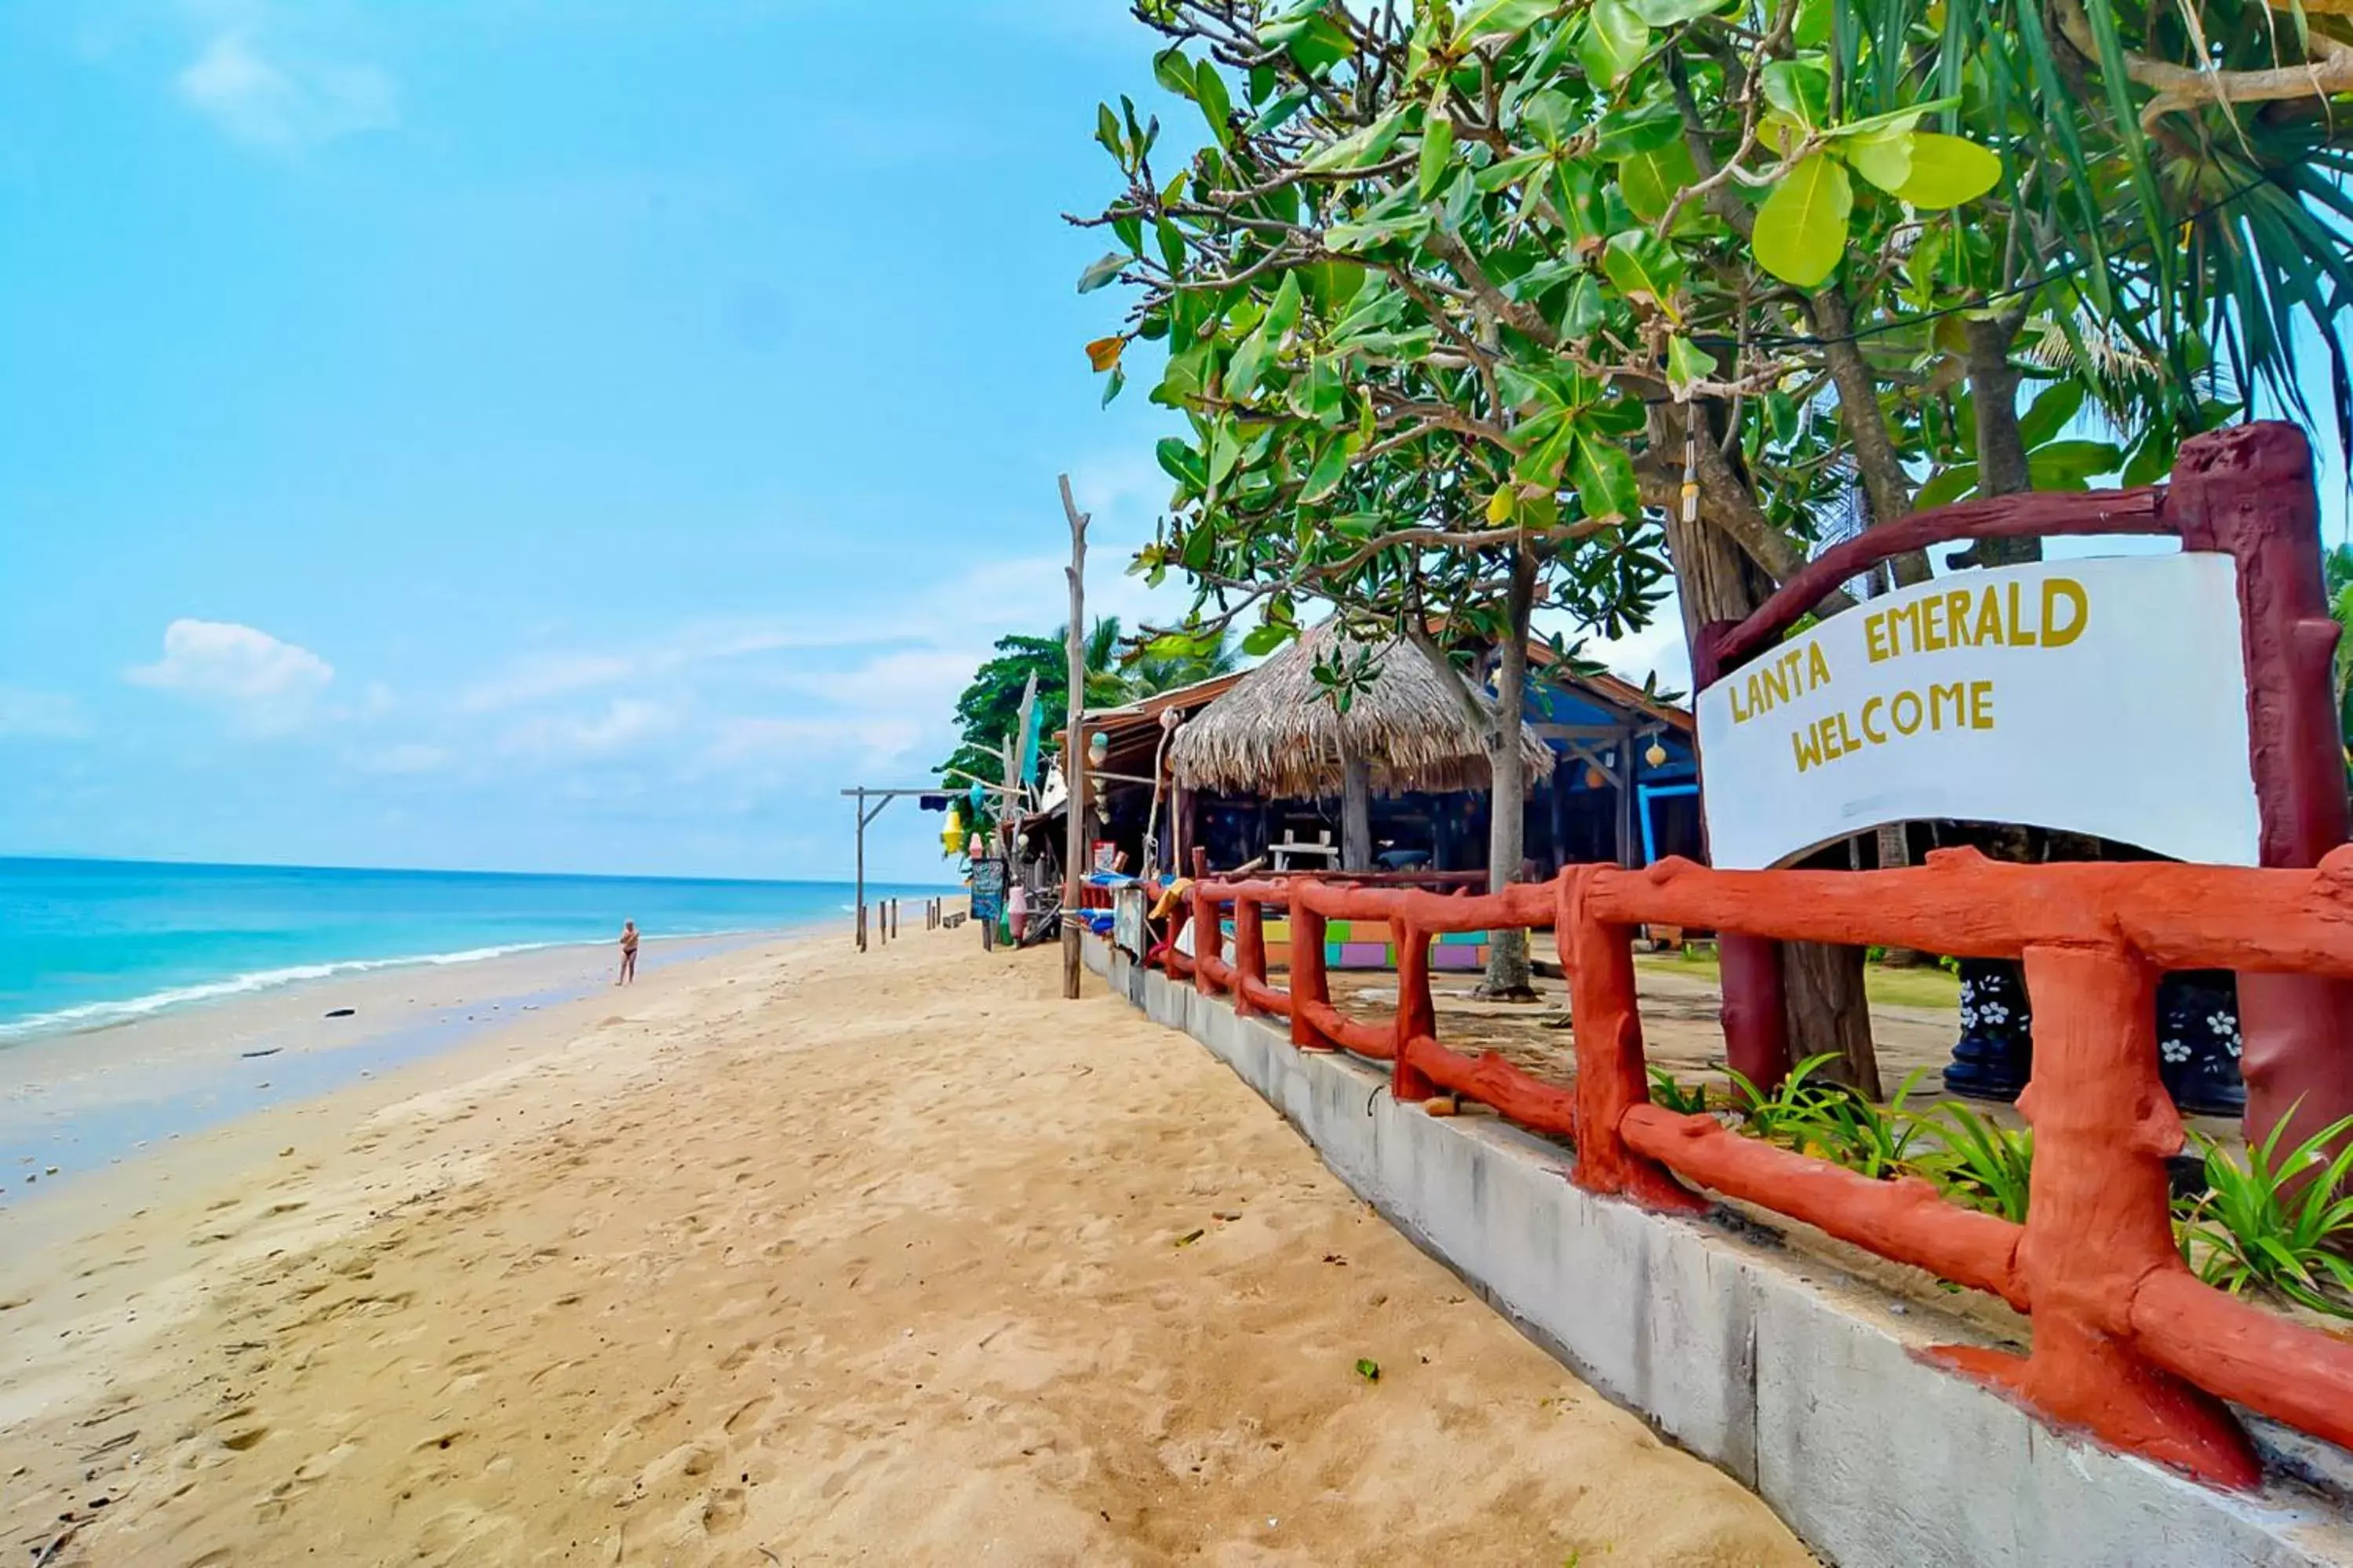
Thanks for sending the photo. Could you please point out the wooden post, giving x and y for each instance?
(2099, 1222)
(1417, 1014)
(1074, 764)
(1249, 953)
(859, 897)
(1357, 814)
(1308, 982)
(1607, 1021)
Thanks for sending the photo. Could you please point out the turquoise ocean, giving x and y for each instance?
(85, 944)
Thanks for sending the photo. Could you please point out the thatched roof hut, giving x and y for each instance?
(1277, 734)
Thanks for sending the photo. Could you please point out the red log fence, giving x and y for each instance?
(2128, 1343)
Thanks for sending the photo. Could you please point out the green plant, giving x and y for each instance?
(1845, 1127)
(1978, 1161)
(2280, 1224)
(1670, 1093)
(1777, 1117)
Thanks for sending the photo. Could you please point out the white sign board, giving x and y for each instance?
(2105, 697)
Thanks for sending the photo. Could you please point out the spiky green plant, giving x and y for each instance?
(1977, 1160)
(2280, 1224)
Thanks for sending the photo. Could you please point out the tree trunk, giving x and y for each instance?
(1507, 954)
(1824, 1007)
(2002, 450)
(1356, 815)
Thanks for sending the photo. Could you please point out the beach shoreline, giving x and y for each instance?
(792, 1254)
(78, 1099)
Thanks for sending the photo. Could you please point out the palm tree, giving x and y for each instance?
(1114, 679)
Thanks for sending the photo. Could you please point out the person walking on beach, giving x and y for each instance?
(629, 953)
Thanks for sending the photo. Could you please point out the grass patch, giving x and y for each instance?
(1923, 987)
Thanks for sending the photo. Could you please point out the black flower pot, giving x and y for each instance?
(1996, 1050)
(2198, 1042)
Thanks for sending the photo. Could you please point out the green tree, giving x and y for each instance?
(989, 708)
(1466, 305)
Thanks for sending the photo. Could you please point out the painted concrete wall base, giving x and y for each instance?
(1796, 1382)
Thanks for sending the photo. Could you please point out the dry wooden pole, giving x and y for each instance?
(1074, 744)
(861, 871)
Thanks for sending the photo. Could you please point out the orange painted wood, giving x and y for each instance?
(1310, 988)
(2128, 1345)
(2099, 1221)
(1907, 1220)
(1262, 997)
(1492, 1081)
(1599, 958)
(1417, 1014)
(1208, 942)
(1250, 953)
(2246, 1353)
(1377, 1041)
(2180, 917)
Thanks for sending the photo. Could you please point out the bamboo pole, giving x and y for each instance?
(1074, 744)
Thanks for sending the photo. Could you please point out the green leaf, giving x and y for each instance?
(1182, 463)
(1956, 483)
(1486, 17)
(1603, 476)
(1247, 365)
(2052, 407)
(1800, 89)
(1584, 311)
(1283, 314)
(1102, 272)
(1687, 363)
(1502, 504)
(1644, 268)
(1261, 641)
(1800, 231)
(1437, 152)
(1883, 157)
(1331, 467)
(1670, 13)
(1273, 116)
(1813, 28)
(1369, 1370)
(1645, 128)
(1648, 181)
(1944, 171)
(1107, 132)
(1614, 41)
(2071, 465)
(1112, 388)
(1172, 71)
(1172, 244)
(1361, 148)
(1217, 108)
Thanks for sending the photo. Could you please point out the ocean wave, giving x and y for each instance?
(100, 1014)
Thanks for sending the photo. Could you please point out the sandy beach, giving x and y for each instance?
(788, 1256)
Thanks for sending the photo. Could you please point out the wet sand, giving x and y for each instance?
(790, 1256)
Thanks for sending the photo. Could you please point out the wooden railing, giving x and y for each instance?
(2128, 1343)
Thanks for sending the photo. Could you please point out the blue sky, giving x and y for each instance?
(554, 436)
(550, 435)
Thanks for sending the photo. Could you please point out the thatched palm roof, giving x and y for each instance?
(1277, 733)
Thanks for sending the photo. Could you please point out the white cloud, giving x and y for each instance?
(541, 676)
(406, 760)
(268, 684)
(625, 723)
(48, 715)
(861, 742)
(281, 104)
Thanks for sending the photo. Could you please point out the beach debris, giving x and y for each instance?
(1440, 1105)
(1335, 1257)
(283, 1153)
(1368, 1369)
(340, 1012)
(1190, 1236)
(50, 1170)
(1229, 1216)
(269, 1051)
